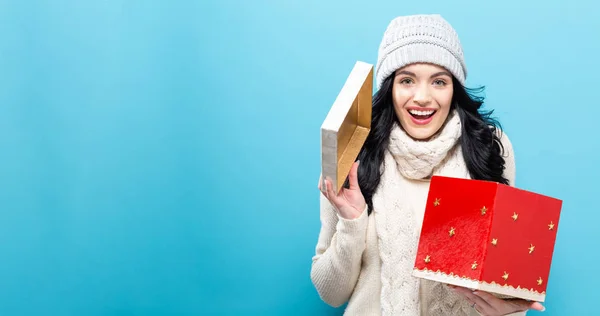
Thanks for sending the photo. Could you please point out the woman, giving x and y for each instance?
(424, 123)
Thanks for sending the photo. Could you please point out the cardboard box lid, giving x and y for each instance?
(347, 125)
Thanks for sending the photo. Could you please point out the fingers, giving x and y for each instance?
(488, 304)
(332, 196)
(353, 176)
(537, 306)
(491, 304)
(523, 305)
(484, 306)
(486, 296)
(519, 304)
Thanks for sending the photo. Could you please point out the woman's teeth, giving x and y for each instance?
(421, 114)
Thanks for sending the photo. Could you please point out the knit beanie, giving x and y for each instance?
(420, 38)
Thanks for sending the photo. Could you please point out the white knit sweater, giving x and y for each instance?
(367, 262)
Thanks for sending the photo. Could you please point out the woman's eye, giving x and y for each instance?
(439, 82)
(405, 81)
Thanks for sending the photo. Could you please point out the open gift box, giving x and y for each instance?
(488, 236)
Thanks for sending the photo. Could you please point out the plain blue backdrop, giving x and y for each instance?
(162, 157)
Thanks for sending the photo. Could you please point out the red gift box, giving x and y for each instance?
(488, 236)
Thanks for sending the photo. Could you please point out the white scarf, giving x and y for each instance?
(412, 159)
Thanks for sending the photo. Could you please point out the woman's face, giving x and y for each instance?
(422, 95)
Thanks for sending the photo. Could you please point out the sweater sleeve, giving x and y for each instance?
(336, 265)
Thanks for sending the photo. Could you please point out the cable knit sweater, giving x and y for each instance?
(367, 262)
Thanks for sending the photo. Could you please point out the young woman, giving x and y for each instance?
(424, 123)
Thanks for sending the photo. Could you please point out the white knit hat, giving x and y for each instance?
(420, 38)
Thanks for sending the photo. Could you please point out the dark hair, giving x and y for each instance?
(480, 141)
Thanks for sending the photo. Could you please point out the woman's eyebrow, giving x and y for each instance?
(441, 73)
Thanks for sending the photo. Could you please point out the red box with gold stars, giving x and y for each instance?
(488, 236)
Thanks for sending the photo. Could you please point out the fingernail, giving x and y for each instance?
(539, 307)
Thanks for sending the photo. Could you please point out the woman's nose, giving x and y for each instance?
(422, 96)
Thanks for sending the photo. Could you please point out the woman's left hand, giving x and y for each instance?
(489, 305)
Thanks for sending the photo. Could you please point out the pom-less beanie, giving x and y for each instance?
(420, 38)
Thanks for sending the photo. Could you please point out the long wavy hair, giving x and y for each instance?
(480, 140)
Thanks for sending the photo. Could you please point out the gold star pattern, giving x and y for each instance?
(427, 259)
(531, 248)
(505, 276)
(474, 265)
(494, 241)
(551, 226)
(452, 231)
(539, 281)
(515, 216)
(483, 210)
(436, 202)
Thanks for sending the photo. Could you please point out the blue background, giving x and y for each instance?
(162, 158)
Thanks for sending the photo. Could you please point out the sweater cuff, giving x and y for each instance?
(352, 226)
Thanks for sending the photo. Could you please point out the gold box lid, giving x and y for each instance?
(347, 125)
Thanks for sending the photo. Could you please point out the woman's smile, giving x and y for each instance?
(421, 116)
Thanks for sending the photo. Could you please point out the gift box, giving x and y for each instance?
(347, 125)
(488, 236)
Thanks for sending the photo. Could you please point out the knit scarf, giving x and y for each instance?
(398, 241)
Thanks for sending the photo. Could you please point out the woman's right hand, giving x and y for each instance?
(349, 203)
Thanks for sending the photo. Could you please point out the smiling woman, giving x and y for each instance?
(424, 123)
